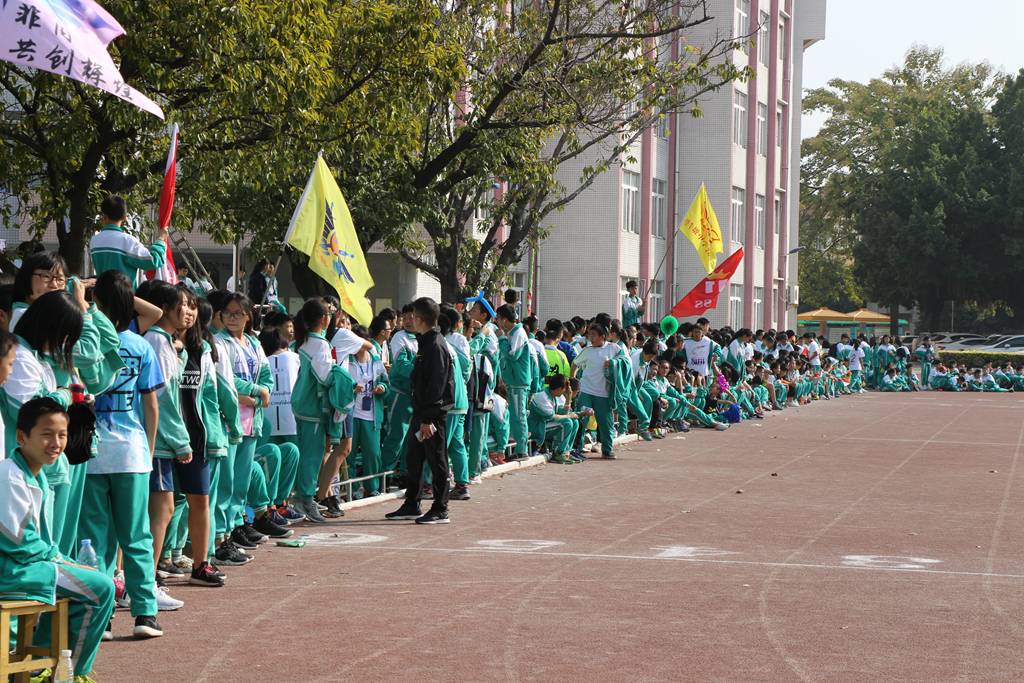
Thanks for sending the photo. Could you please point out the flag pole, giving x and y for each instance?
(650, 283)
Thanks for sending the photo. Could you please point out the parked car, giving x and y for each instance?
(1011, 345)
(968, 344)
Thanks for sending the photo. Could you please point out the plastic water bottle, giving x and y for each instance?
(64, 673)
(87, 554)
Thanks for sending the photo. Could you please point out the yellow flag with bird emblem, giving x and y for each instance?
(322, 228)
(700, 225)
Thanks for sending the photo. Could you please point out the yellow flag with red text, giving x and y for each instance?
(700, 225)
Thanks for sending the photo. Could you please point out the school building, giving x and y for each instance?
(745, 149)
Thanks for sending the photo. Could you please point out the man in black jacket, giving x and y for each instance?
(432, 397)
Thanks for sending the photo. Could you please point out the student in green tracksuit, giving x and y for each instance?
(626, 396)
(31, 565)
(398, 409)
(321, 388)
(593, 364)
(633, 307)
(516, 360)
(116, 494)
(54, 333)
(450, 324)
(253, 381)
(484, 352)
(547, 409)
(114, 249)
(371, 391)
(925, 354)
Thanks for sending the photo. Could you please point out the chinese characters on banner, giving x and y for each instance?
(704, 296)
(69, 38)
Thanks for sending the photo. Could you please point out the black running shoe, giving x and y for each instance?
(433, 517)
(333, 507)
(265, 525)
(460, 492)
(253, 535)
(241, 539)
(205, 575)
(229, 556)
(146, 627)
(405, 512)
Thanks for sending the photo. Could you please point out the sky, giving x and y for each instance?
(865, 37)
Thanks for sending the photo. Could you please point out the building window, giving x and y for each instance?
(517, 283)
(778, 129)
(762, 39)
(736, 306)
(631, 201)
(743, 23)
(759, 218)
(656, 300)
(739, 119)
(762, 129)
(758, 306)
(775, 308)
(778, 212)
(738, 220)
(782, 39)
(659, 207)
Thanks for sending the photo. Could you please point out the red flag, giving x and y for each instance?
(168, 272)
(704, 296)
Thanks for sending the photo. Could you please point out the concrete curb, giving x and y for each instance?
(489, 473)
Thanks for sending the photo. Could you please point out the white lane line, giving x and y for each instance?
(697, 560)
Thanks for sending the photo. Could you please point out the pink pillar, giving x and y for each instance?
(751, 182)
(769, 190)
(646, 173)
(787, 94)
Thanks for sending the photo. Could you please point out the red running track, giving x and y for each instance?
(876, 537)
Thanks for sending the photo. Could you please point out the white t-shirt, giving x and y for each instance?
(285, 368)
(856, 354)
(365, 373)
(345, 343)
(592, 360)
(698, 355)
(814, 354)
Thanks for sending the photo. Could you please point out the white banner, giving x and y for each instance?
(69, 38)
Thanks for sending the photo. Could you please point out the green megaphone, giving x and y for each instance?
(669, 325)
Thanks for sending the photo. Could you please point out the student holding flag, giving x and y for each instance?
(114, 249)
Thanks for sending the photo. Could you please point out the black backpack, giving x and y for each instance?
(81, 430)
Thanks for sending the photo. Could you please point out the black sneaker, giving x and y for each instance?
(205, 575)
(146, 627)
(229, 556)
(253, 535)
(241, 539)
(265, 525)
(460, 492)
(333, 507)
(405, 512)
(433, 517)
(166, 569)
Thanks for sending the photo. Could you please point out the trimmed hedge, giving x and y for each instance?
(976, 359)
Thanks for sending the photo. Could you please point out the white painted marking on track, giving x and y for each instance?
(518, 544)
(889, 561)
(342, 538)
(690, 551)
(699, 560)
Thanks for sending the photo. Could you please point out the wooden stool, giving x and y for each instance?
(25, 657)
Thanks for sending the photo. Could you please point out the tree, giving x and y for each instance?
(257, 88)
(549, 87)
(906, 162)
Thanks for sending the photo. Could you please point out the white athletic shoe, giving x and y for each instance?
(721, 426)
(165, 603)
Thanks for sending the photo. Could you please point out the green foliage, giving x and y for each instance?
(977, 359)
(904, 175)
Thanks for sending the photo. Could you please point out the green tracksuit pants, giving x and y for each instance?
(312, 447)
(478, 443)
(602, 406)
(562, 435)
(65, 507)
(220, 507)
(634, 406)
(216, 467)
(288, 445)
(117, 516)
(366, 447)
(693, 413)
(91, 596)
(518, 415)
(244, 458)
(177, 528)
(399, 412)
(455, 438)
(499, 430)
(257, 495)
(277, 468)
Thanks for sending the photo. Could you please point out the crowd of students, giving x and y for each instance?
(176, 428)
